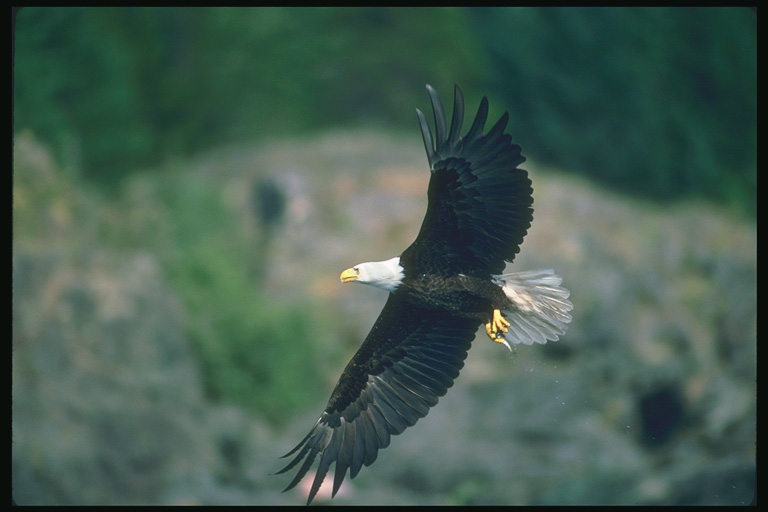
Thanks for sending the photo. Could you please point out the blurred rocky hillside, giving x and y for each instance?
(649, 398)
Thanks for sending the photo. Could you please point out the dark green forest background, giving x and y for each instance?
(657, 102)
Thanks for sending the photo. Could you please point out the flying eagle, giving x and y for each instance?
(441, 289)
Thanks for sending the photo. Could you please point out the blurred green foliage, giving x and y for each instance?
(653, 101)
(254, 351)
(115, 88)
(659, 102)
(265, 354)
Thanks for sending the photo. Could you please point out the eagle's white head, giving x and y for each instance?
(386, 275)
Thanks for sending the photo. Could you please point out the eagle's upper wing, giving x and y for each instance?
(479, 201)
(409, 359)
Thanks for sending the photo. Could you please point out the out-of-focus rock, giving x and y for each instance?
(648, 399)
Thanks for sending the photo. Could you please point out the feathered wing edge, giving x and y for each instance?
(490, 195)
(541, 310)
(418, 370)
(449, 142)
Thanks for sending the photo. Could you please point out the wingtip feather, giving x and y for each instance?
(457, 119)
(426, 134)
(440, 123)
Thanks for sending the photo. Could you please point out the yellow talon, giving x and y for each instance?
(489, 331)
(496, 327)
(500, 321)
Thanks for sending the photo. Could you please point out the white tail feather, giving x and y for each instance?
(540, 310)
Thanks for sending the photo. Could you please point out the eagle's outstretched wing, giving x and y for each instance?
(479, 211)
(479, 201)
(409, 359)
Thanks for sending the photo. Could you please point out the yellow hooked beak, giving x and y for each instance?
(350, 275)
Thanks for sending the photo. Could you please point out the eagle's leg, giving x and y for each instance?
(497, 327)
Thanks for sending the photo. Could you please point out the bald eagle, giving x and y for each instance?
(441, 289)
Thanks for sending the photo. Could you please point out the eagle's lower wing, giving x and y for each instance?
(479, 201)
(409, 359)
